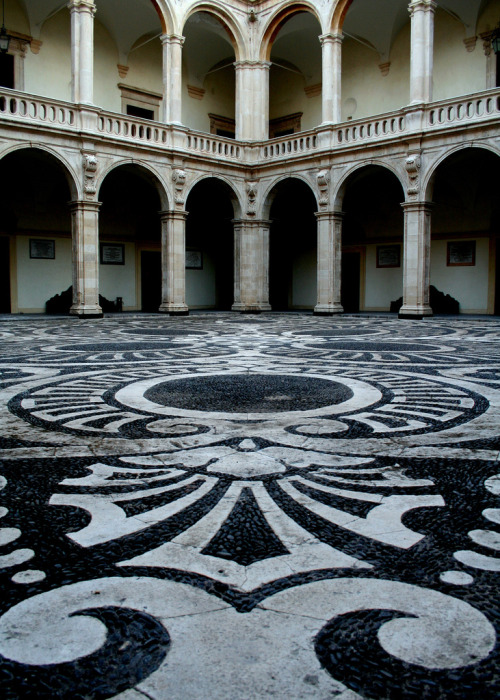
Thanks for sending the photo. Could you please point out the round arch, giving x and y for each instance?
(218, 11)
(232, 192)
(343, 183)
(150, 174)
(68, 170)
(428, 183)
(338, 15)
(277, 20)
(272, 190)
(165, 14)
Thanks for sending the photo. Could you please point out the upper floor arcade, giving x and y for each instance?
(250, 69)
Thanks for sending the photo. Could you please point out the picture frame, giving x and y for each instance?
(194, 260)
(112, 253)
(461, 253)
(388, 256)
(42, 249)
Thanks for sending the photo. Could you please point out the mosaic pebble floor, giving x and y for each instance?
(275, 506)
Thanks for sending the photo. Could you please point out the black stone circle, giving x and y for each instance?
(252, 393)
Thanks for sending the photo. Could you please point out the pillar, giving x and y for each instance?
(252, 100)
(329, 263)
(82, 50)
(251, 266)
(85, 238)
(422, 49)
(172, 78)
(417, 260)
(173, 263)
(332, 77)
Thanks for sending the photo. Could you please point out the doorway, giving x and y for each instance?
(4, 275)
(351, 263)
(150, 280)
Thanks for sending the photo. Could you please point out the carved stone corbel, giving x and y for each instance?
(179, 180)
(323, 180)
(252, 189)
(89, 175)
(413, 165)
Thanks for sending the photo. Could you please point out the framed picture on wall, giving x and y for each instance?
(388, 256)
(194, 260)
(42, 249)
(112, 253)
(461, 253)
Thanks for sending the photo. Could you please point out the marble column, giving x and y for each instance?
(252, 100)
(251, 265)
(82, 50)
(332, 77)
(172, 78)
(422, 50)
(173, 263)
(329, 263)
(417, 260)
(85, 240)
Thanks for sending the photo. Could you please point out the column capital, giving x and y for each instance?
(84, 204)
(332, 215)
(422, 6)
(173, 214)
(252, 222)
(252, 65)
(418, 206)
(173, 39)
(82, 6)
(331, 38)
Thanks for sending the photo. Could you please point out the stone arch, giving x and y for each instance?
(269, 197)
(165, 14)
(217, 10)
(75, 186)
(338, 15)
(151, 174)
(341, 185)
(235, 197)
(277, 20)
(428, 181)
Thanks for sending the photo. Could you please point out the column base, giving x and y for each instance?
(174, 310)
(250, 308)
(86, 311)
(328, 309)
(415, 312)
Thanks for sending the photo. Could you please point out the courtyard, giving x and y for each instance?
(249, 506)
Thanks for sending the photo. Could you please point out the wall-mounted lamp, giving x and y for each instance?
(495, 40)
(4, 37)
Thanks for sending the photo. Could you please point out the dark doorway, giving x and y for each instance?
(497, 279)
(150, 280)
(350, 282)
(4, 276)
(293, 247)
(210, 241)
(7, 70)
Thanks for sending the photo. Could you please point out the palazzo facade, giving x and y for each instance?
(336, 155)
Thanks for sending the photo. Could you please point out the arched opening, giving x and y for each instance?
(372, 240)
(465, 230)
(130, 239)
(295, 76)
(210, 246)
(293, 247)
(35, 234)
(209, 92)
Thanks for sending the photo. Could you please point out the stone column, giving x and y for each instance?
(252, 100)
(251, 266)
(85, 237)
(422, 50)
(332, 77)
(329, 262)
(82, 50)
(173, 263)
(417, 260)
(172, 78)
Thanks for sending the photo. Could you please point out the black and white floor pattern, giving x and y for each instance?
(244, 507)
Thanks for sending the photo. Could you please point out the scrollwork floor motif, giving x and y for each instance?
(222, 506)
